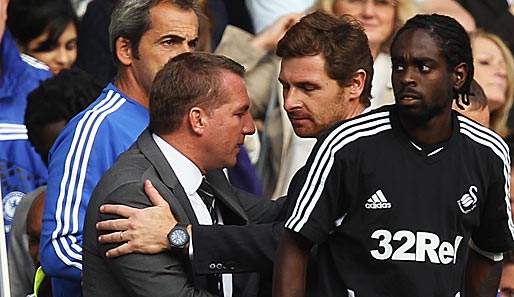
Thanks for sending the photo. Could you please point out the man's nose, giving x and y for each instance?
(291, 99)
(249, 125)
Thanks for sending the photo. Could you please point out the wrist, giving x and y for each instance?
(179, 237)
(189, 229)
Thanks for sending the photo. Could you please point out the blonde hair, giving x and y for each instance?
(499, 117)
(404, 10)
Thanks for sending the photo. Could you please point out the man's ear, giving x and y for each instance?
(357, 84)
(460, 73)
(124, 53)
(196, 118)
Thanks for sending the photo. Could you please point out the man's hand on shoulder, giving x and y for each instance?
(142, 230)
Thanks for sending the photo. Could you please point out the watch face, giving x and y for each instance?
(179, 237)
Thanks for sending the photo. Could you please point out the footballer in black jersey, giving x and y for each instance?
(393, 219)
(411, 199)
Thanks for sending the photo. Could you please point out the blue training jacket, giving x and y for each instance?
(21, 168)
(86, 148)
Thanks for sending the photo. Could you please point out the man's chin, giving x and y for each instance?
(305, 133)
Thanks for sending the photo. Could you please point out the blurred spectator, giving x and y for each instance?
(45, 30)
(450, 8)
(21, 266)
(42, 284)
(265, 12)
(494, 71)
(494, 16)
(94, 55)
(256, 54)
(43, 39)
(380, 19)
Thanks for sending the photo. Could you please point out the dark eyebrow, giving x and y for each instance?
(172, 36)
(397, 59)
(419, 60)
(424, 60)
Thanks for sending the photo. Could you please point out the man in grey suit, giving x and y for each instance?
(198, 119)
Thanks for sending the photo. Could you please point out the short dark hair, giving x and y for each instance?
(130, 19)
(28, 19)
(341, 41)
(187, 80)
(453, 42)
(59, 98)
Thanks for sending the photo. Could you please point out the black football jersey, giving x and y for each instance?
(391, 219)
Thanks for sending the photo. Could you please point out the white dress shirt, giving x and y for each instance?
(190, 178)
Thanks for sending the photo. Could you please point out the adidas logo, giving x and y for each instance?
(377, 201)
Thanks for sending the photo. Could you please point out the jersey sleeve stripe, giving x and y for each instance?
(71, 184)
(477, 127)
(84, 165)
(13, 132)
(34, 62)
(489, 139)
(324, 158)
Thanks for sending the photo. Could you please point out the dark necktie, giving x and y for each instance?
(206, 192)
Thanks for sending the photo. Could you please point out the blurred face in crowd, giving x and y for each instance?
(46, 138)
(34, 226)
(376, 16)
(59, 56)
(313, 101)
(490, 71)
(173, 31)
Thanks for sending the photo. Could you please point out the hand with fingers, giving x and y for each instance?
(141, 230)
(268, 39)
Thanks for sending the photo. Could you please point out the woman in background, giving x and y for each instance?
(37, 40)
(494, 71)
(380, 20)
(45, 30)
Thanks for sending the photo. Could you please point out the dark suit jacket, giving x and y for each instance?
(169, 273)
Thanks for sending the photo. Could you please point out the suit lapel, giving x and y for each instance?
(225, 194)
(154, 155)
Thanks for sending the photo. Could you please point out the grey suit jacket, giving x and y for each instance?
(169, 273)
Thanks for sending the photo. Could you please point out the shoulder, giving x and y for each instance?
(20, 72)
(349, 132)
(33, 62)
(482, 137)
(123, 183)
(111, 118)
